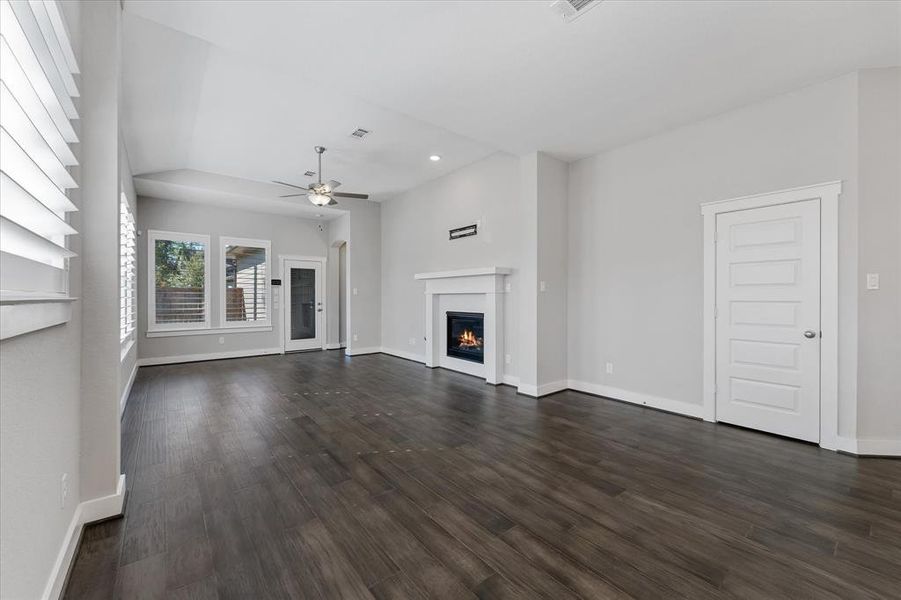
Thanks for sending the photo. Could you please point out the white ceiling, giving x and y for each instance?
(245, 89)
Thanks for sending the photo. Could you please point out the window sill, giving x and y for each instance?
(22, 313)
(208, 331)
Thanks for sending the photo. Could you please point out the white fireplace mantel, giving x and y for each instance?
(477, 272)
(487, 282)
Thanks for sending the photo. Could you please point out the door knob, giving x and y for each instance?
(810, 334)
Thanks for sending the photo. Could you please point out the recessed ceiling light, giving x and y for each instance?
(434, 158)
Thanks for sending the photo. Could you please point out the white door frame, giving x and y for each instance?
(282, 259)
(828, 194)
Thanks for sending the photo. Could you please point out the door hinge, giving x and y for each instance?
(716, 312)
(715, 236)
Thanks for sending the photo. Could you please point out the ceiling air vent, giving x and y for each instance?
(571, 10)
(360, 133)
(309, 173)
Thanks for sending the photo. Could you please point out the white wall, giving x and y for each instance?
(879, 322)
(100, 176)
(364, 272)
(288, 236)
(415, 240)
(635, 249)
(552, 232)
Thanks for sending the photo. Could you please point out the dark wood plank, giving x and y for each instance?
(311, 476)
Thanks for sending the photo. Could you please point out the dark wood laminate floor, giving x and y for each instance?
(318, 476)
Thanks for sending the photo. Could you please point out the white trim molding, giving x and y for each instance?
(123, 400)
(403, 354)
(211, 331)
(658, 402)
(360, 351)
(87, 512)
(828, 195)
(186, 358)
(21, 314)
(538, 391)
(874, 447)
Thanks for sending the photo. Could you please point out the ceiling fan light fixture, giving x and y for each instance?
(319, 199)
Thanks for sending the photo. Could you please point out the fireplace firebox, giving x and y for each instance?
(466, 336)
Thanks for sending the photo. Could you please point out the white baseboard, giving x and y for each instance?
(403, 354)
(527, 389)
(333, 346)
(552, 387)
(185, 358)
(360, 351)
(537, 391)
(123, 400)
(871, 447)
(658, 402)
(86, 512)
(511, 380)
(841, 444)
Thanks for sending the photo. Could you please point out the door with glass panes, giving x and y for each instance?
(303, 322)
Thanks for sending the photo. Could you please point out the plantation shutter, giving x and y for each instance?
(36, 109)
(128, 269)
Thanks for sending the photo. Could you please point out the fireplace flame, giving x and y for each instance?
(468, 339)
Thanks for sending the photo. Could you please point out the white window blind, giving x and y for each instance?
(36, 109)
(245, 299)
(128, 270)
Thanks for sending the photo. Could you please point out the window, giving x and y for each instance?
(36, 109)
(245, 289)
(179, 281)
(127, 270)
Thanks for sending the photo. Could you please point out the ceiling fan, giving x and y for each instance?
(319, 193)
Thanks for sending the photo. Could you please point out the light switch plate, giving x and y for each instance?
(542, 286)
(872, 281)
(355, 291)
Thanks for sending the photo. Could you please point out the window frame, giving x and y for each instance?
(175, 236)
(129, 301)
(224, 242)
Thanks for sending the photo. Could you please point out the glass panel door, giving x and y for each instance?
(303, 312)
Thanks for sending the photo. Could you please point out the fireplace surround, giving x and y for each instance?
(480, 291)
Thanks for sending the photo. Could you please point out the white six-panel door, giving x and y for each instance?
(768, 319)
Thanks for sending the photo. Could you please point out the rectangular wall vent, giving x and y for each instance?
(571, 10)
(359, 133)
(309, 173)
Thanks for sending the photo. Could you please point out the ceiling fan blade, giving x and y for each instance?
(291, 185)
(292, 195)
(332, 184)
(349, 195)
(332, 202)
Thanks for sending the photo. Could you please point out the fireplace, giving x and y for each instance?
(466, 336)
